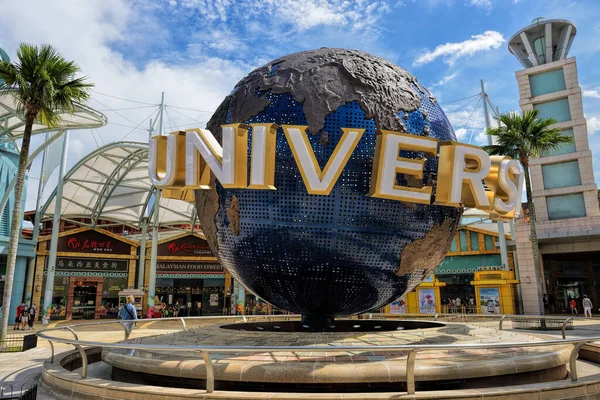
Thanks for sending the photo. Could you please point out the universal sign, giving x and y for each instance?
(467, 175)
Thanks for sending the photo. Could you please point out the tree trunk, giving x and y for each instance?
(15, 226)
(537, 265)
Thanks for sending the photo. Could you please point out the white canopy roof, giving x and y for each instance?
(12, 123)
(111, 184)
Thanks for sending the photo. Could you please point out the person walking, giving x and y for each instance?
(573, 305)
(128, 313)
(18, 318)
(32, 315)
(25, 317)
(587, 307)
(551, 303)
(176, 309)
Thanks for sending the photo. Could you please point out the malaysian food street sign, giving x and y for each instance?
(192, 267)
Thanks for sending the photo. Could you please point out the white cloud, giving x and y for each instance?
(85, 32)
(593, 93)
(593, 124)
(446, 79)
(297, 16)
(481, 3)
(451, 52)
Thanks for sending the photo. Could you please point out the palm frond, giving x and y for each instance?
(524, 136)
(43, 83)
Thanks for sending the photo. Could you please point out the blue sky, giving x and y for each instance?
(196, 50)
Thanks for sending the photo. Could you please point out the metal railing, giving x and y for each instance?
(206, 351)
(9, 391)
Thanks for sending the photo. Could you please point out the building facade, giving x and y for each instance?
(471, 279)
(565, 193)
(188, 272)
(92, 267)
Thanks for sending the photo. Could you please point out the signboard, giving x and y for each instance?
(466, 176)
(398, 306)
(190, 267)
(490, 268)
(89, 264)
(426, 301)
(214, 300)
(489, 299)
(185, 246)
(92, 242)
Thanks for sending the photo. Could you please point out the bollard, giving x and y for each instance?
(564, 327)
(573, 360)
(501, 321)
(84, 361)
(210, 372)
(410, 371)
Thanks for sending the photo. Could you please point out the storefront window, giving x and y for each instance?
(464, 246)
(110, 296)
(489, 242)
(58, 308)
(213, 296)
(474, 241)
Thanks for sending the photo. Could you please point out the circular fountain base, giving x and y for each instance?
(340, 371)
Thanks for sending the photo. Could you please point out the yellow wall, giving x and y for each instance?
(412, 298)
(504, 281)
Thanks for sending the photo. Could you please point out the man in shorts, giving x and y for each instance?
(587, 307)
(18, 318)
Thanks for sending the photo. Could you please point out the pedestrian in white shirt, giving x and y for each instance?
(587, 306)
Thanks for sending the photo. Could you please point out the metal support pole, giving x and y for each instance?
(564, 327)
(573, 360)
(52, 347)
(29, 282)
(410, 372)
(155, 217)
(142, 261)
(183, 324)
(501, 322)
(55, 226)
(503, 249)
(40, 193)
(154, 248)
(160, 118)
(210, 372)
(488, 124)
(84, 361)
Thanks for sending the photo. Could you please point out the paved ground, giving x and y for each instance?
(17, 369)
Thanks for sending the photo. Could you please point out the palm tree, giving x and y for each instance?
(42, 84)
(522, 138)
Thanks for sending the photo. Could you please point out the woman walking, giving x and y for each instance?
(32, 315)
(25, 317)
(128, 313)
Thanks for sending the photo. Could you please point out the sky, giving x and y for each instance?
(197, 50)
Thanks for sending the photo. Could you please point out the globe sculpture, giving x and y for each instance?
(345, 253)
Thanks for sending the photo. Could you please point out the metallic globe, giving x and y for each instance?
(346, 253)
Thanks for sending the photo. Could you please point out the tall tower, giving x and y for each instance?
(564, 190)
